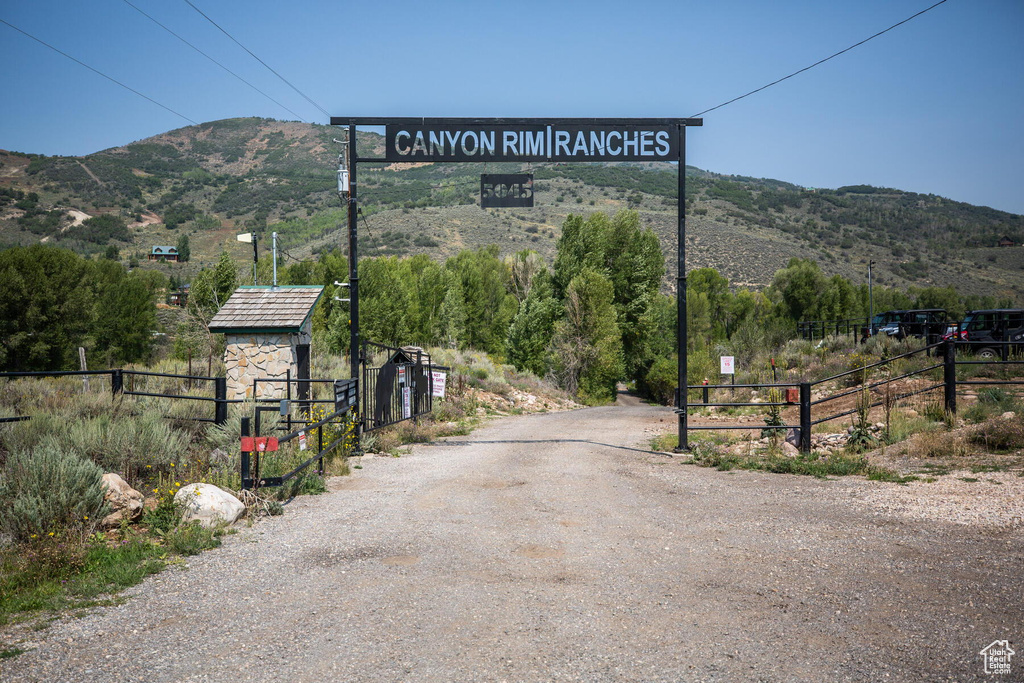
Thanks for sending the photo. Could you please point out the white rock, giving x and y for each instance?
(208, 505)
(1008, 415)
(125, 501)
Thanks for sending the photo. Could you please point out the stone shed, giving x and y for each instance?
(267, 332)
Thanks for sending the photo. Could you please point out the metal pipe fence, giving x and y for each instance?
(949, 383)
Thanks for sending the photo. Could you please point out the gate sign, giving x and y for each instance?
(438, 381)
(506, 189)
(728, 365)
(531, 142)
(344, 393)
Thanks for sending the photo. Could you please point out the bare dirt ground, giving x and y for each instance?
(556, 547)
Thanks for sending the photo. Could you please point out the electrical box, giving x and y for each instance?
(342, 181)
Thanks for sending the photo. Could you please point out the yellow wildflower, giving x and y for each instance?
(51, 533)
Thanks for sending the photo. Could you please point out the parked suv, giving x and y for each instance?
(920, 322)
(993, 325)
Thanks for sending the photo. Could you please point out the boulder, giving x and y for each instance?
(124, 501)
(789, 449)
(209, 505)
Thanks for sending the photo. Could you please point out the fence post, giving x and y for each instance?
(245, 454)
(805, 417)
(220, 388)
(116, 382)
(949, 376)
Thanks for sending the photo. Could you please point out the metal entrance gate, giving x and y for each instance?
(436, 140)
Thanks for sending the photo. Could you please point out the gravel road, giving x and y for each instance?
(555, 547)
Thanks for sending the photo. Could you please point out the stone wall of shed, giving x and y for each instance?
(259, 356)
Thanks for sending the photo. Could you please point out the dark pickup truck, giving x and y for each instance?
(991, 325)
(929, 323)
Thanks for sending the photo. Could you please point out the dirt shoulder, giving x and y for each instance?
(557, 547)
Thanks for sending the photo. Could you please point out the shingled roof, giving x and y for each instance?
(267, 309)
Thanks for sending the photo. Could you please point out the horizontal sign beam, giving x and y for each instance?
(451, 121)
(534, 142)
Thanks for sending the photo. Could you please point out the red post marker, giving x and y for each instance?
(260, 444)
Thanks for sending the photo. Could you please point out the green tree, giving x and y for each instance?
(184, 250)
(489, 306)
(125, 322)
(587, 346)
(45, 311)
(212, 287)
(635, 266)
(798, 285)
(582, 245)
(383, 301)
(530, 332)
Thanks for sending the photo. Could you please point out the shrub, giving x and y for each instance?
(941, 444)
(131, 446)
(48, 490)
(662, 379)
(1000, 434)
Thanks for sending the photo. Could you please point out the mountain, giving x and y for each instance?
(216, 179)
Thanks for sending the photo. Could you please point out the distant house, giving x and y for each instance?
(165, 253)
(1006, 242)
(179, 297)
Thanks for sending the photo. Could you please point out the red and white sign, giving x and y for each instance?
(728, 365)
(438, 379)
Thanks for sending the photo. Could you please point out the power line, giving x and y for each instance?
(324, 111)
(822, 61)
(215, 61)
(97, 71)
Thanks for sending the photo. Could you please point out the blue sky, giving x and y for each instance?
(934, 106)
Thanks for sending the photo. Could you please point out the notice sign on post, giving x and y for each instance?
(728, 365)
(438, 381)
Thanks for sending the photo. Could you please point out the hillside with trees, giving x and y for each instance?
(211, 181)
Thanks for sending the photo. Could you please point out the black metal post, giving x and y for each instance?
(353, 275)
(220, 388)
(288, 397)
(683, 395)
(116, 382)
(245, 455)
(353, 255)
(949, 376)
(805, 417)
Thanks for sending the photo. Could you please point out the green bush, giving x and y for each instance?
(662, 379)
(136, 447)
(49, 489)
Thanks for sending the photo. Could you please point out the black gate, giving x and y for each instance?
(396, 385)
